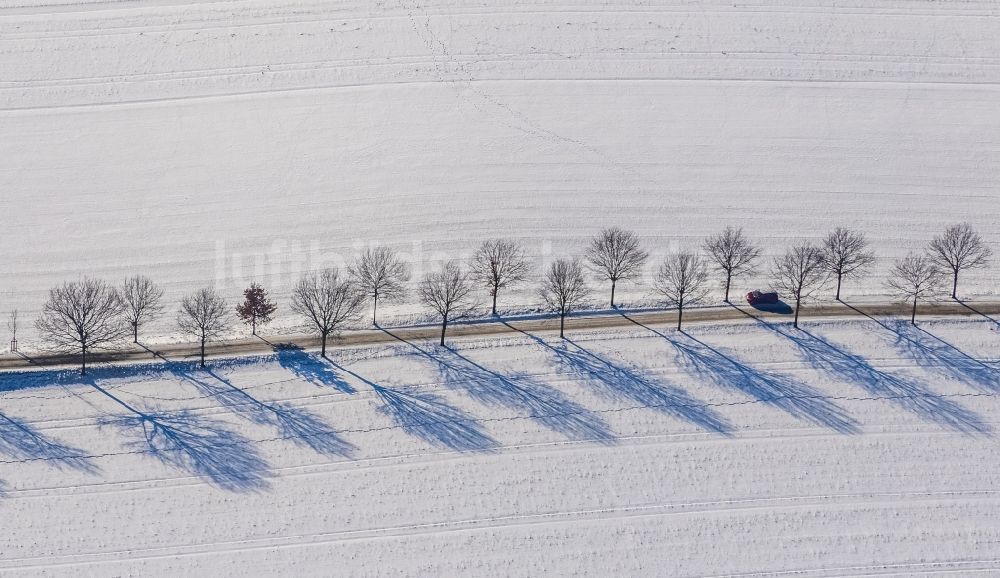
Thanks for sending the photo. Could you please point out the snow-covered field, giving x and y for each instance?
(851, 448)
(215, 142)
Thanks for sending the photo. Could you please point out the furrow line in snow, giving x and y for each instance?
(618, 57)
(432, 456)
(811, 80)
(845, 501)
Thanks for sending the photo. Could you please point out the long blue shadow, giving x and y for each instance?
(297, 425)
(972, 309)
(310, 367)
(780, 391)
(425, 416)
(905, 392)
(521, 393)
(21, 442)
(192, 443)
(33, 379)
(621, 382)
(936, 354)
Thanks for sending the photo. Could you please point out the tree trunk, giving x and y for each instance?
(135, 333)
(444, 327)
(495, 291)
(203, 351)
(562, 324)
(839, 279)
(913, 314)
(798, 302)
(253, 325)
(322, 352)
(729, 280)
(83, 363)
(375, 308)
(680, 315)
(954, 286)
(613, 283)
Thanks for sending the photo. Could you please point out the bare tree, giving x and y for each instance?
(615, 255)
(205, 315)
(142, 300)
(328, 300)
(81, 316)
(681, 279)
(801, 272)
(447, 292)
(563, 288)
(958, 249)
(498, 264)
(846, 254)
(915, 277)
(257, 308)
(12, 327)
(733, 254)
(380, 274)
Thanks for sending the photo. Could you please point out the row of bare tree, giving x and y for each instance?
(90, 313)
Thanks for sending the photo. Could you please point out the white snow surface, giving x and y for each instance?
(214, 143)
(851, 448)
(219, 142)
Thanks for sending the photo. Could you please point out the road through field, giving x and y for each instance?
(498, 327)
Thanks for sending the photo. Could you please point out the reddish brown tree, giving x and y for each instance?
(256, 308)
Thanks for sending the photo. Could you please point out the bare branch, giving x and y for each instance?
(846, 255)
(447, 292)
(913, 278)
(564, 288)
(499, 264)
(615, 255)
(142, 301)
(82, 316)
(328, 300)
(800, 272)
(205, 315)
(958, 249)
(733, 254)
(379, 273)
(682, 280)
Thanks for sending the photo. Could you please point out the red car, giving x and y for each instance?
(758, 298)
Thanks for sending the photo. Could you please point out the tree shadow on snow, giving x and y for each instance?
(779, 391)
(972, 309)
(906, 392)
(192, 443)
(622, 382)
(536, 400)
(425, 416)
(22, 442)
(298, 425)
(310, 367)
(934, 353)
